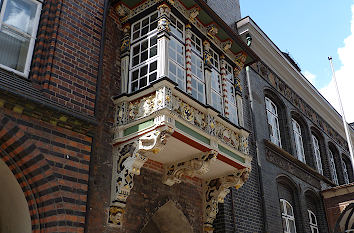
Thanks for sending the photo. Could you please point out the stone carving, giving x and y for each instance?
(121, 116)
(188, 113)
(128, 161)
(211, 125)
(123, 12)
(207, 56)
(212, 31)
(141, 107)
(193, 13)
(116, 215)
(288, 166)
(194, 167)
(215, 192)
(164, 10)
(125, 47)
(227, 45)
(239, 62)
(163, 25)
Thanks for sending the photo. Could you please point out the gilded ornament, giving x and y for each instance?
(188, 113)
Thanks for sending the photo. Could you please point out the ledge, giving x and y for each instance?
(300, 165)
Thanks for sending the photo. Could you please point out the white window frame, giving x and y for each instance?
(313, 225)
(149, 61)
(317, 154)
(273, 122)
(215, 61)
(179, 42)
(298, 141)
(345, 172)
(31, 37)
(332, 165)
(149, 33)
(231, 97)
(287, 217)
(196, 80)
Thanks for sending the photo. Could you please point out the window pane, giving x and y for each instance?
(289, 210)
(20, 14)
(292, 226)
(13, 49)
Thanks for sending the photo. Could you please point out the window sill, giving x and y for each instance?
(24, 75)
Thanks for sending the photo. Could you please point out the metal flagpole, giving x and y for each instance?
(350, 145)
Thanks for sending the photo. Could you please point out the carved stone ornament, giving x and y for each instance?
(128, 161)
(227, 45)
(125, 47)
(215, 192)
(194, 12)
(164, 9)
(212, 31)
(123, 12)
(163, 25)
(194, 167)
(115, 215)
(240, 62)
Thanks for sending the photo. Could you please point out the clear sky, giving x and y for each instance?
(312, 30)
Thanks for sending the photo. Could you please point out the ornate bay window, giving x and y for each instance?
(179, 104)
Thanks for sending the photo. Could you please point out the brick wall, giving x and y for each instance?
(51, 165)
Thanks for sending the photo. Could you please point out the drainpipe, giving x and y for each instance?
(259, 166)
(99, 78)
(100, 64)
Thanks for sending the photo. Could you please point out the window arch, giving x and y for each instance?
(332, 166)
(336, 163)
(273, 121)
(313, 222)
(277, 120)
(317, 154)
(347, 163)
(288, 216)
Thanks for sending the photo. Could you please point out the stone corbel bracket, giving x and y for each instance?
(127, 162)
(197, 166)
(215, 192)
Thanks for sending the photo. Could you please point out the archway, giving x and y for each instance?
(14, 211)
(168, 219)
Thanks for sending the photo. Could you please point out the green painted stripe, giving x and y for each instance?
(139, 127)
(233, 155)
(192, 133)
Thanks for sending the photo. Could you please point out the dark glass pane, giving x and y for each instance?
(145, 22)
(144, 56)
(153, 41)
(135, 60)
(135, 86)
(152, 77)
(135, 75)
(153, 51)
(153, 17)
(136, 50)
(143, 71)
(153, 66)
(136, 35)
(144, 45)
(144, 31)
(143, 82)
(153, 26)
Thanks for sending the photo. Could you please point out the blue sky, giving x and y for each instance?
(311, 30)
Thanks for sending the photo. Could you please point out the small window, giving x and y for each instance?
(313, 222)
(143, 63)
(216, 91)
(18, 28)
(273, 122)
(333, 167)
(345, 172)
(197, 69)
(176, 63)
(298, 141)
(288, 218)
(317, 155)
(177, 27)
(144, 27)
(196, 44)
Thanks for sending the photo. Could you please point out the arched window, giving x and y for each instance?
(273, 121)
(298, 141)
(345, 172)
(317, 154)
(313, 222)
(287, 214)
(333, 167)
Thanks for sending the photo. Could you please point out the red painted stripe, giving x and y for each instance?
(190, 142)
(230, 162)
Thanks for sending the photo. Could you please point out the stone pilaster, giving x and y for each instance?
(163, 39)
(189, 58)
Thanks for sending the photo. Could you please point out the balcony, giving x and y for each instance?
(164, 124)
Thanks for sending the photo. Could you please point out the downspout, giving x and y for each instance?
(259, 166)
(100, 62)
(98, 86)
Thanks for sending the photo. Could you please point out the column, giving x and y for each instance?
(189, 58)
(163, 38)
(207, 70)
(125, 57)
(224, 85)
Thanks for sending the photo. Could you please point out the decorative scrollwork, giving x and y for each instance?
(215, 192)
(240, 62)
(128, 161)
(194, 167)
